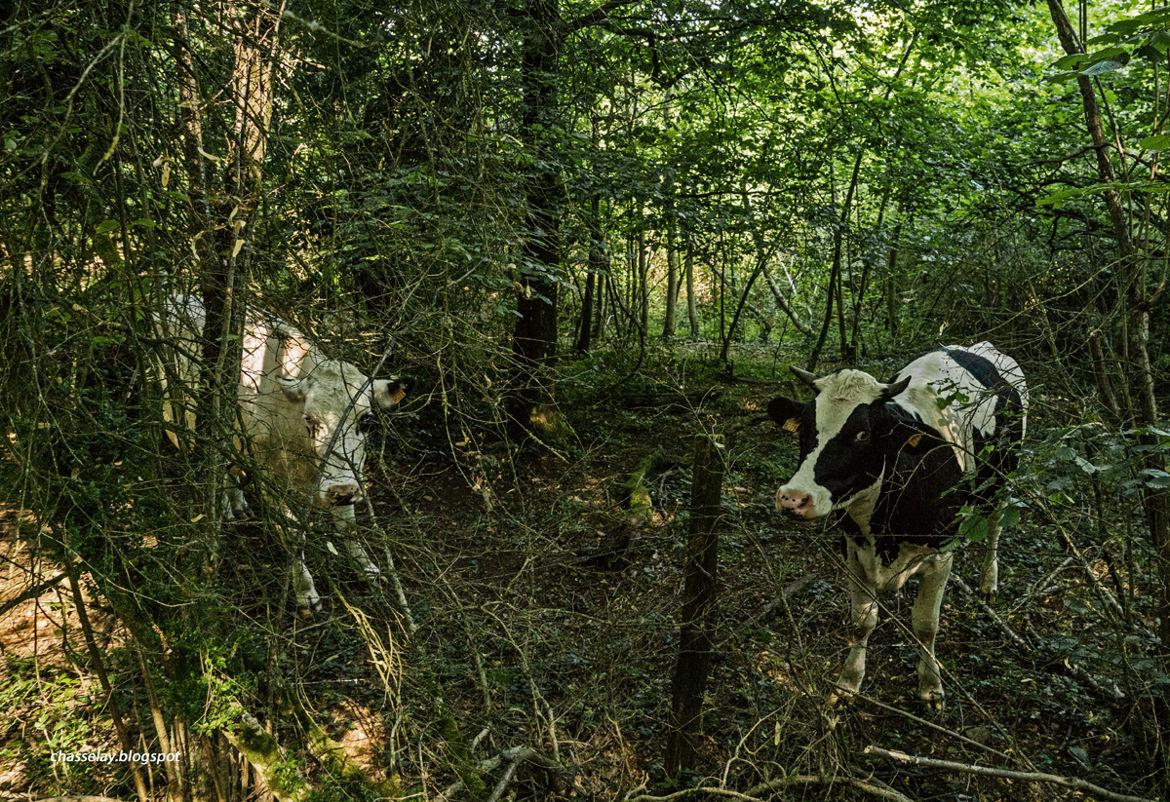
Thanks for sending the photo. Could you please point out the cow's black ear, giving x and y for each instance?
(388, 392)
(786, 412)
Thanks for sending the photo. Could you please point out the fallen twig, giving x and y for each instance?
(987, 608)
(780, 783)
(987, 771)
(515, 755)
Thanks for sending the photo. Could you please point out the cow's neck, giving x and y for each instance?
(860, 508)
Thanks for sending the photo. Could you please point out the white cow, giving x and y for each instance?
(303, 417)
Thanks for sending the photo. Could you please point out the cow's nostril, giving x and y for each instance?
(342, 496)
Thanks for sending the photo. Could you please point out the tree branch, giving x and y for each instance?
(987, 771)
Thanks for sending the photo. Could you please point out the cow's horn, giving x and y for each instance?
(805, 376)
(895, 388)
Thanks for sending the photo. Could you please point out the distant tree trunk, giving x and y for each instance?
(848, 352)
(761, 263)
(592, 276)
(672, 282)
(692, 306)
(603, 283)
(534, 338)
(863, 285)
(643, 264)
(891, 279)
(830, 294)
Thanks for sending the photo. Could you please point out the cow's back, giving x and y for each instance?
(270, 349)
(969, 395)
(965, 399)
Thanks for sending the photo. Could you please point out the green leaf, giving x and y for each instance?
(1158, 142)
(1102, 67)
(1067, 62)
(1010, 516)
(1152, 477)
(1159, 40)
(1103, 39)
(107, 226)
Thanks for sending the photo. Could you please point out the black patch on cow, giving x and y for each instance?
(851, 460)
(978, 366)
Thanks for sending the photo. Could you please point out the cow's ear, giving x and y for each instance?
(909, 439)
(388, 392)
(894, 389)
(294, 389)
(786, 412)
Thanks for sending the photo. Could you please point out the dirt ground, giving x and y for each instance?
(548, 617)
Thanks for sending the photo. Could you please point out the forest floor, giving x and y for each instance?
(548, 618)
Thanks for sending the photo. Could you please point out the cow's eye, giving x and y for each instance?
(366, 422)
(861, 436)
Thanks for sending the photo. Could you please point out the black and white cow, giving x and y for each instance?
(897, 461)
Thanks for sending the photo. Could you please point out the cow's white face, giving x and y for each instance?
(336, 409)
(841, 461)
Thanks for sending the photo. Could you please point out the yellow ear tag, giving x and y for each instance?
(791, 425)
(915, 440)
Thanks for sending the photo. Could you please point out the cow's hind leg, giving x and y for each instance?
(924, 620)
(864, 617)
(346, 525)
(989, 581)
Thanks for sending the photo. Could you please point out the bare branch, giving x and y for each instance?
(987, 771)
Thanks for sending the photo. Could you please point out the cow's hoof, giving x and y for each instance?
(934, 700)
(372, 573)
(307, 605)
(839, 697)
(988, 594)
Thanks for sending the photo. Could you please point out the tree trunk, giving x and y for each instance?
(534, 338)
(643, 285)
(692, 306)
(592, 277)
(1136, 302)
(672, 282)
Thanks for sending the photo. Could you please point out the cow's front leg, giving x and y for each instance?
(864, 616)
(989, 581)
(924, 620)
(345, 522)
(308, 600)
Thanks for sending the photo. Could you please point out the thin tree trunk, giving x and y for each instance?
(1137, 302)
(643, 285)
(592, 277)
(692, 306)
(891, 279)
(672, 282)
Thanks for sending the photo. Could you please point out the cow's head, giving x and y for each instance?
(335, 402)
(844, 433)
